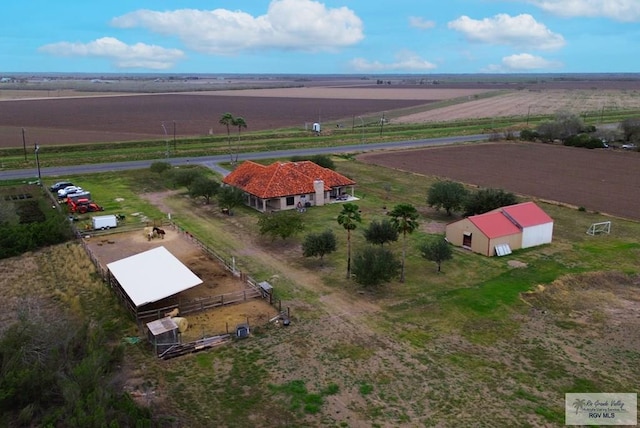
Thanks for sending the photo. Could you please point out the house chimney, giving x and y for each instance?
(318, 186)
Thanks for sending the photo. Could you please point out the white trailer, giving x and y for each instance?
(104, 222)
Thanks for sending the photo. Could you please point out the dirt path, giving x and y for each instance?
(340, 323)
(339, 301)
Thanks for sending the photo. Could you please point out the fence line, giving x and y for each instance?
(200, 305)
(185, 307)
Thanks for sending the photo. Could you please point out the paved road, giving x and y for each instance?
(213, 162)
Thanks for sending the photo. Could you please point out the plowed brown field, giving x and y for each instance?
(602, 180)
(64, 116)
(140, 117)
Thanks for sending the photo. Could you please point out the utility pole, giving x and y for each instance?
(24, 145)
(166, 141)
(175, 147)
(37, 149)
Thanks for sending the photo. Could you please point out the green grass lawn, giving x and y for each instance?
(464, 323)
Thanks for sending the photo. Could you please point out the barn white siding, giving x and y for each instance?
(537, 235)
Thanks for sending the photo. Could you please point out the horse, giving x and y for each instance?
(148, 233)
(158, 232)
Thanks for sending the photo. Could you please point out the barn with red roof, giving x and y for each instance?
(289, 185)
(503, 230)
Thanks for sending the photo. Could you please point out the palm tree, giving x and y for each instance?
(227, 120)
(349, 218)
(240, 123)
(404, 219)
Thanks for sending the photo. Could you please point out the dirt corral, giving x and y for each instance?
(216, 279)
(602, 180)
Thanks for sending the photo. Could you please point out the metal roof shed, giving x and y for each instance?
(163, 334)
(150, 276)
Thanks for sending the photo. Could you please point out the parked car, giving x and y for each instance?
(62, 193)
(60, 185)
(629, 146)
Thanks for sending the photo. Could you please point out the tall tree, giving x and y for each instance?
(240, 123)
(282, 224)
(204, 187)
(185, 176)
(230, 197)
(404, 218)
(349, 218)
(381, 232)
(631, 129)
(448, 195)
(227, 120)
(436, 250)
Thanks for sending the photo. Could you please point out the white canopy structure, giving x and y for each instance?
(152, 275)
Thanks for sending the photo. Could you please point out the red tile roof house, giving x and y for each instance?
(500, 231)
(288, 185)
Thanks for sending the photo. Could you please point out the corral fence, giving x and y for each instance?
(253, 291)
(200, 305)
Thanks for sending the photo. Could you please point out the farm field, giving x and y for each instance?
(140, 117)
(525, 103)
(65, 116)
(601, 180)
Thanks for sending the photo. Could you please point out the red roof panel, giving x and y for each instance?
(494, 224)
(527, 214)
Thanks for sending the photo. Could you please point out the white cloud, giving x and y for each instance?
(139, 55)
(619, 10)
(303, 25)
(406, 61)
(521, 31)
(523, 62)
(421, 23)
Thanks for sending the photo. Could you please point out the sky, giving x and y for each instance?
(321, 36)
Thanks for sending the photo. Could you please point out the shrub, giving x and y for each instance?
(583, 140)
(184, 177)
(58, 373)
(319, 244)
(321, 160)
(374, 265)
(529, 135)
(160, 167)
(486, 200)
(381, 232)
